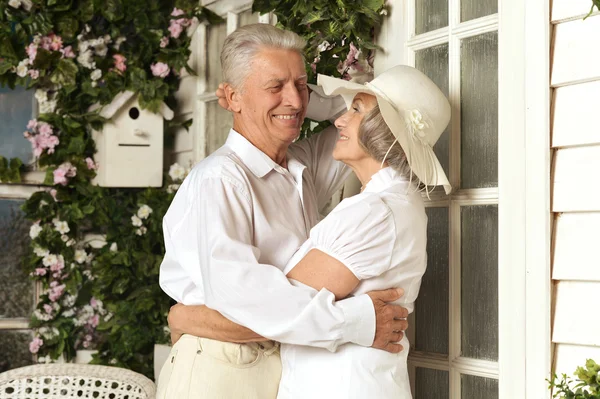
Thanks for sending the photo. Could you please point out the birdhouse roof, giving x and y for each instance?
(108, 111)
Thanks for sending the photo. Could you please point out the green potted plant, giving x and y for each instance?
(587, 385)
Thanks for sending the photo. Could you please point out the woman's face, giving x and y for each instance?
(347, 149)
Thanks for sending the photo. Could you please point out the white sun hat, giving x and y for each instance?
(414, 108)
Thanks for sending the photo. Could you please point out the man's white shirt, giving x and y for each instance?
(236, 221)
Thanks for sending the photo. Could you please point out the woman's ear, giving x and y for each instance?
(232, 96)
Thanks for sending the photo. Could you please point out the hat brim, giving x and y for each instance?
(421, 158)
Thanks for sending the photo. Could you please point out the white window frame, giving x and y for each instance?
(524, 218)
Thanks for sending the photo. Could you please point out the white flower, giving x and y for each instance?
(35, 230)
(68, 313)
(108, 317)
(177, 172)
(48, 107)
(113, 247)
(113, 361)
(144, 212)
(383, 12)
(89, 258)
(141, 231)
(97, 74)
(89, 275)
(39, 251)
(69, 300)
(64, 238)
(80, 256)
(86, 58)
(14, 3)
(50, 260)
(41, 95)
(172, 188)
(101, 49)
(44, 359)
(416, 119)
(71, 242)
(22, 69)
(323, 46)
(136, 221)
(43, 203)
(118, 42)
(61, 227)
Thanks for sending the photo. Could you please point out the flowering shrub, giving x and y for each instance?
(587, 385)
(76, 54)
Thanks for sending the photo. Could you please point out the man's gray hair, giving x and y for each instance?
(376, 138)
(242, 45)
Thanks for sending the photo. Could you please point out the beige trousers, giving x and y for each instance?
(201, 368)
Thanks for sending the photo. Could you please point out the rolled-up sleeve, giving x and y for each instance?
(213, 244)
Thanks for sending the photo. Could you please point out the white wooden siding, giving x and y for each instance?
(576, 179)
(566, 9)
(575, 121)
(575, 184)
(575, 58)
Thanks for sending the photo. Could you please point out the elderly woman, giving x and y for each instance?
(375, 239)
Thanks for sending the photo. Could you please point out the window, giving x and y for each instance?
(455, 324)
(17, 291)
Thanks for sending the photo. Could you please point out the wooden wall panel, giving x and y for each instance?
(575, 320)
(576, 117)
(576, 185)
(575, 55)
(569, 357)
(577, 247)
(564, 9)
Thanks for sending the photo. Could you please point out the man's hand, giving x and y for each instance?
(220, 93)
(390, 319)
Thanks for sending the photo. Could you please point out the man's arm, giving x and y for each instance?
(201, 321)
(213, 244)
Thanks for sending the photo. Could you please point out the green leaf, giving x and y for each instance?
(65, 73)
(88, 209)
(76, 145)
(313, 16)
(374, 5)
(113, 10)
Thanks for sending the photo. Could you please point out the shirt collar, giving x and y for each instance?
(257, 161)
(383, 179)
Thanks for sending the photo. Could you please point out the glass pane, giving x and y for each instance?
(431, 308)
(247, 18)
(471, 9)
(479, 111)
(431, 384)
(473, 387)
(14, 349)
(479, 281)
(216, 36)
(430, 15)
(433, 62)
(218, 124)
(16, 289)
(16, 109)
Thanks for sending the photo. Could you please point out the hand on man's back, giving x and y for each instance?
(390, 319)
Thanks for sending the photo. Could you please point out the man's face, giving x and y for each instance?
(274, 98)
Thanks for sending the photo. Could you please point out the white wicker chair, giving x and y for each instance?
(54, 381)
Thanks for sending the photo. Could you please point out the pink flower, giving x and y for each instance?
(34, 346)
(40, 271)
(93, 302)
(164, 42)
(48, 308)
(55, 42)
(53, 193)
(175, 28)
(32, 125)
(160, 69)
(86, 344)
(120, 62)
(90, 164)
(94, 320)
(45, 129)
(34, 73)
(31, 52)
(59, 265)
(62, 172)
(177, 12)
(46, 42)
(67, 52)
(56, 291)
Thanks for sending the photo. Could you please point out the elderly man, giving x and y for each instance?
(236, 221)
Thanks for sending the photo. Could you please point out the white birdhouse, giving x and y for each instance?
(130, 145)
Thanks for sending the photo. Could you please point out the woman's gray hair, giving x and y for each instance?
(376, 138)
(241, 46)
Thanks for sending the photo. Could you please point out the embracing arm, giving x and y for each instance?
(200, 321)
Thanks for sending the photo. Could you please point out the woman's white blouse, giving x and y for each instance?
(381, 236)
